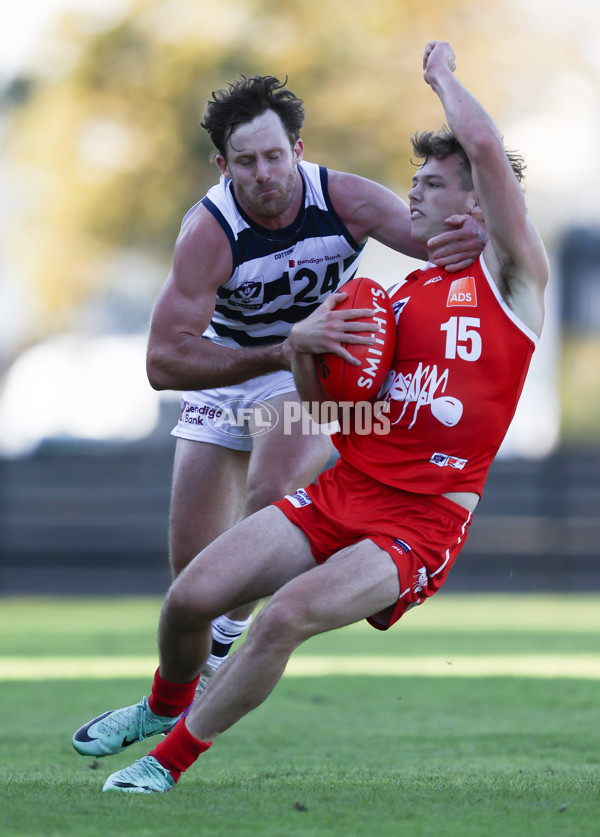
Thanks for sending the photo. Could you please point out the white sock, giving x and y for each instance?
(224, 633)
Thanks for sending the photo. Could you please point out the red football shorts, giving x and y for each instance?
(423, 533)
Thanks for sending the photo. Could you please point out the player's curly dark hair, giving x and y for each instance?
(244, 100)
(440, 144)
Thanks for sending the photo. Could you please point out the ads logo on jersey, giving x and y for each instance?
(462, 292)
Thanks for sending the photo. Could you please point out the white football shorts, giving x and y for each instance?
(232, 416)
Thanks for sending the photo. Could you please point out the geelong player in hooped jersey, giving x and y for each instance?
(280, 277)
(379, 531)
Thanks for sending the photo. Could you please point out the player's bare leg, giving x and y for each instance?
(352, 585)
(236, 567)
(229, 571)
(207, 499)
(358, 582)
(288, 456)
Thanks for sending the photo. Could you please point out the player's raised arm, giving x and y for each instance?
(515, 254)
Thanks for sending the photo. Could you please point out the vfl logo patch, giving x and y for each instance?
(444, 460)
(462, 292)
(248, 295)
(299, 499)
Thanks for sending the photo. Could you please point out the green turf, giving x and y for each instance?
(344, 755)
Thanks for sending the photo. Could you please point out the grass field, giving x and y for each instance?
(475, 716)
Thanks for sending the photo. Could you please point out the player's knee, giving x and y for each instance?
(185, 607)
(261, 495)
(281, 623)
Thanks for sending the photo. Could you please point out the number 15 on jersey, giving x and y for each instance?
(462, 338)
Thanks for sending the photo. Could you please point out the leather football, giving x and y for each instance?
(344, 382)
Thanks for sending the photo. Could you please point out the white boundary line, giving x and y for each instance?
(581, 666)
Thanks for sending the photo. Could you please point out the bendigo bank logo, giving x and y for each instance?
(462, 292)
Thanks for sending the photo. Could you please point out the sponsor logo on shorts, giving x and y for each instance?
(421, 580)
(401, 545)
(198, 414)
(299, 499)
(445, 460)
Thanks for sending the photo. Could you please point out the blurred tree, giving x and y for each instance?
(112, 146)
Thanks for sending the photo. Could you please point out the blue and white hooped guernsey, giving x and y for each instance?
(279, 276)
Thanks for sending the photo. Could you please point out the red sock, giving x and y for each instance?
(179, 750)
(170, 699)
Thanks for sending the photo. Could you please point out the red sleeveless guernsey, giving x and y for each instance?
(459, 368)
